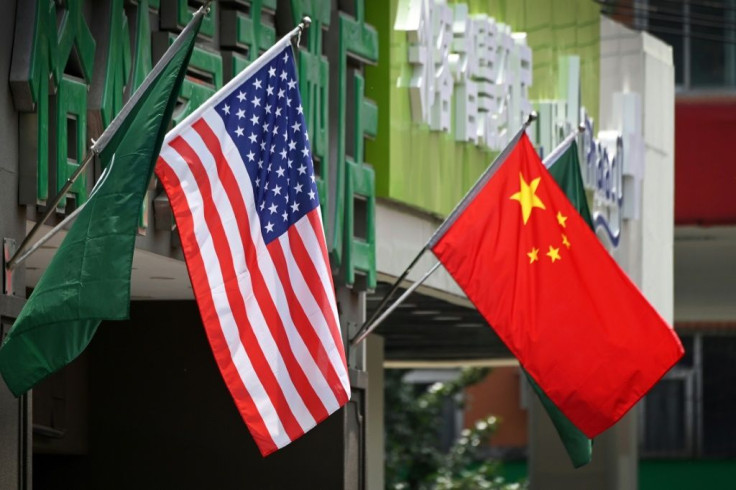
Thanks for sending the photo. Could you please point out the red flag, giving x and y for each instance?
(562, 305)
(240, 180)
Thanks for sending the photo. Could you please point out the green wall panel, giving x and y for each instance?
(664, 474)
(430, 170)
(686, 474)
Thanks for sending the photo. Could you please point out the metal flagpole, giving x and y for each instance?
(387, 297)
(18, 260)
(15, 259)
(97, 147)
(562, 147)
(369, 325)
(396, 304)
(105, 174)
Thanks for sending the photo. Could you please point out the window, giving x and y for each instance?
(689, 413)
(702, 36)
(719, 396)
(668, 428)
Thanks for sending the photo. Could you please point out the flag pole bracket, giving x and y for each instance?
(8, 251)
(304, 24)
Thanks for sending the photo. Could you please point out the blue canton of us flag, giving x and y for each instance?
(265, 119)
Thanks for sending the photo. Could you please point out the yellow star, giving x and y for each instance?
(533, 255)
(561, 219)
(527, 197)
(553, 254)
(565, 241)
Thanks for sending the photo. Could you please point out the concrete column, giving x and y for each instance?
(614, 464)
(351, 306)
(15, 414)
(374, 437)
(15, 418)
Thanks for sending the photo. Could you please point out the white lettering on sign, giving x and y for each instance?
(464, 66)
(490, 100)
(441, 105)
(613, 166)
(415, 18)
(603, 161)
(612, 161)
(467, 61)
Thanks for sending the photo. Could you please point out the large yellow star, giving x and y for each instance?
(527, 197)
(533, 255)
(553, 254)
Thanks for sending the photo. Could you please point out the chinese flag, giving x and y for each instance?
(538, 274)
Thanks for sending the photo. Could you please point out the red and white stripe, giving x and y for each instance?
(269, 310)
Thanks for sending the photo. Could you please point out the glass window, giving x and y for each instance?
(666, 21)
(707, 46)
(719, 396)
(665, 422)
(702, 35)
(690, 412)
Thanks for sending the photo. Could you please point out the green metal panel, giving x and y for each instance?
(71, 97)
(662, 474)
(243, 37)
(142, 64)
(350, 250)
(117, 63)
(71, 108)
(360, 250)
(31, 84)
(195, 93)
(676, 474)
(428, 169)
(75, 34)
(177, 13)
(314, 83)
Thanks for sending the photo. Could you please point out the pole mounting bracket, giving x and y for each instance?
(8, 251)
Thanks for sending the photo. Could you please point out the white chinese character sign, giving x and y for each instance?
(468, 72)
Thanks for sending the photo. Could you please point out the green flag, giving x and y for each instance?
(88, 280)
(566, 171)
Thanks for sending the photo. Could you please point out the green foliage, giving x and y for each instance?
(413, 456)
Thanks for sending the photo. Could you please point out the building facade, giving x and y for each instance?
(144, 405)
(406, 103)
(690, 423)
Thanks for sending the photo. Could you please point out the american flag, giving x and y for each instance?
(239, 177)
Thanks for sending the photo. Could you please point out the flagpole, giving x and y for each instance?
(16, 258)
(560, 149)
(396, 304)
(45, 238)
(369, 325)
(478, 186)
(99, 145)
(256, 65)
(95, 149)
